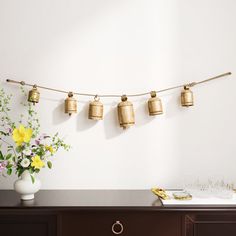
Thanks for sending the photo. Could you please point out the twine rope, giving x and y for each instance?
(191, 84)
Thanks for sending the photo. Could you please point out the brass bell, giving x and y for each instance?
(154, 105)
(187, 97)
(125, 113)
(34, 95)
(70, 104)
(95, 109)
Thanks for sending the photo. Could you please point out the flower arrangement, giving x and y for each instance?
(21, 146)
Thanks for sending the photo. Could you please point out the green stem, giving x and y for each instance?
(13, 149)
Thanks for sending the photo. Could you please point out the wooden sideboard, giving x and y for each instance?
(107, 213)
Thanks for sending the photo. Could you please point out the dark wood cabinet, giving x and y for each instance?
(107, 213)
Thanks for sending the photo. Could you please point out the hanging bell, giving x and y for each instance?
(95, 109)
(34, 95)
(187, 97)
(154, 105)
(70, 104)
(125, 113)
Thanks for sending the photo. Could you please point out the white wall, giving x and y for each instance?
(127, 46)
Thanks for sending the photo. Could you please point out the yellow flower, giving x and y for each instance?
(50, 149)
(22, 135)
(37, 163)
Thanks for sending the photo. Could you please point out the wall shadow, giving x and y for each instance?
(83, 123)
(142, 115)
(58, 114)
(111, 124)
(172, 107)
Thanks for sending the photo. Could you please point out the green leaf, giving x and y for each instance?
(49, 164)
(20, 171)
(9, 166)
(9, 171)
(3, 133)
(32, 178)
(18, 149)
(8, 156)
(1, 156)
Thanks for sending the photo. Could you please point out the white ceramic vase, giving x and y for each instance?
(25, 187)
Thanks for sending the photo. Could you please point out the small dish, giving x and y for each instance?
(182, 195)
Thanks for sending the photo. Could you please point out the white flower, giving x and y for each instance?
(44, 142)
(27, 152)
(25, 162)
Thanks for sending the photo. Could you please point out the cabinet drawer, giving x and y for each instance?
(121, 223)
(217, 224)
(27, 225)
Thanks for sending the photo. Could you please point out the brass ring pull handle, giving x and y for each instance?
(117, 224)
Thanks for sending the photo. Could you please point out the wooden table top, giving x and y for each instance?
(82, 198)
(96, 199)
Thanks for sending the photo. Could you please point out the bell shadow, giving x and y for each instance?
(111, 124)
(58, 115)
(83, 122)
(173, 106)
(142, 116)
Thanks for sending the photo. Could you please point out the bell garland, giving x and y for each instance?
(95, 109)
(126, 115)
(70, 104)
(34, 95)
(154, 105)
(187, 97)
